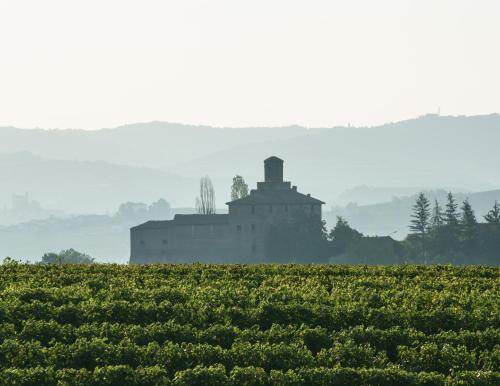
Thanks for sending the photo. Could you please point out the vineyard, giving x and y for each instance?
(249, 325)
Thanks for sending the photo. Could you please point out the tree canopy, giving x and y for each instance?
(67, 256)
(239, 188)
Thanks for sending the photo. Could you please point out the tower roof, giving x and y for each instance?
(278, 196)
(273, 158)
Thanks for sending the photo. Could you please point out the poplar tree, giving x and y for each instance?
(205, 203)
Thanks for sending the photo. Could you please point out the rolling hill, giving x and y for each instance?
(85, 186)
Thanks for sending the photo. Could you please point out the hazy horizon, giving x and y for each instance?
(190, 124)
(95, 64)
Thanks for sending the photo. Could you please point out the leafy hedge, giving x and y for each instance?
(249, 325)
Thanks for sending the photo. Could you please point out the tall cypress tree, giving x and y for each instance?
(450, 214)
(437, 219)
(493, 216)
(419, 224)
(468, 224)
(450, 233)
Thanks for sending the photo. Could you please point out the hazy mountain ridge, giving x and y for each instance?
(153, 144)
(430, 151)
(369, 195)
(86, 186)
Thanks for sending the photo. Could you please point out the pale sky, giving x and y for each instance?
(91, 64)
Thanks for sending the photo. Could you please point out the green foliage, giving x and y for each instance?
(421, 215)
(249, 325)
(468, 224)
(239, 188)
(202, 376)
(437, 218)
(68, 256)
(493, 216)
(453, 237)
(342, 236)
(419, 224)
(451, 214)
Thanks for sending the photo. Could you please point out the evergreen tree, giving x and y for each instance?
(447, 239)
(469, 230)
(342, 235)
(437, 219)
(420, 220)
(450, 214)
(493, 216)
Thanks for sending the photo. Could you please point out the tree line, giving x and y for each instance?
(453, 233)
(449, 235)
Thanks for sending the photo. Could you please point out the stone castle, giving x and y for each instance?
(239, 235)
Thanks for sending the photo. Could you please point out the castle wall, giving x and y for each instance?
(190, 243)
(271, 212)
(243, 237)
(148, 245)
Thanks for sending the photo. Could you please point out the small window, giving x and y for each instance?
(254, 248)
(165, 242)
(253, 227)
(141, 242)
(286, 208)
(252, 209)
(312, 208)
(270, 209)
(238, 228)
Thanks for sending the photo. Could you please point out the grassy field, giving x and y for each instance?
(249, 325)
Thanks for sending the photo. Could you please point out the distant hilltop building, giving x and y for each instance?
(239, 235)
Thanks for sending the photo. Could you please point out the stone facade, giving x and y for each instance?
(238, 236)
